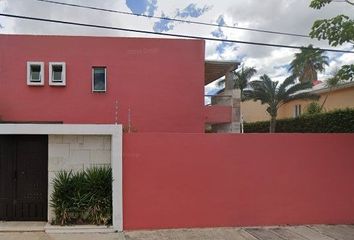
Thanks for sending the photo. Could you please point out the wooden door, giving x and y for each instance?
(23, 177)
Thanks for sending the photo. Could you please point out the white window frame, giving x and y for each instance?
(297, 110)
(105, 79)
(31, 83)
(63, 75)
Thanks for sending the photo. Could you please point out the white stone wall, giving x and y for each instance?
(75, 152)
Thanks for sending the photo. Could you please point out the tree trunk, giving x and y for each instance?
(273, 123)
(324, 101)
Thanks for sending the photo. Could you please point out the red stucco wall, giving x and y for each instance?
(203, 180)
(218, 114)
(160, 80)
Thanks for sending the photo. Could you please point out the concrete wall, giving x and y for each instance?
(231, 98)
(204, 180)
(75, 152)
(160, 80)
(218, 114)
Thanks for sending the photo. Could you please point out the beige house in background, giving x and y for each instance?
(338, 98)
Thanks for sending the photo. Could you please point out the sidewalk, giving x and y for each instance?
(316, 232)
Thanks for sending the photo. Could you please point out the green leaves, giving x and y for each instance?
(337, 30)
(346, 73)
(306, 63)
(241, 78)
(83, 197)
(317, 4)
(267, 92)
(339, 121)
(313, 108)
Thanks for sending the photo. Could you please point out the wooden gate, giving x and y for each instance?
(23, 177)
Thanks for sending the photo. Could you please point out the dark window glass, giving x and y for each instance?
(35, 73)
(299, 110)
(57, 73)
(99, 79)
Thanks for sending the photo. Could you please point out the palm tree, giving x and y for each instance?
(268, 92)
(307, 63)
(241, 78)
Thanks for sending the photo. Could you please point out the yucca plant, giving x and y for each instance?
(100, 206)
(79, 197)
(60, 201)
(83, 197)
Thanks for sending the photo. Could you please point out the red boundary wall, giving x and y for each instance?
(203, 180)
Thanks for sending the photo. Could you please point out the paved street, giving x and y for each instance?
(317, 232)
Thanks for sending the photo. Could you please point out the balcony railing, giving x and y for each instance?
(218, 109)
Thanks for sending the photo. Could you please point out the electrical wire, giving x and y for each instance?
(175, 19)
(166, 34)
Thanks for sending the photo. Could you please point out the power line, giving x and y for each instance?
(166, 34)
(175, 19)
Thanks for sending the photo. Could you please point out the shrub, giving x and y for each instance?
(83, 197)
(338, 121)
(313, 108)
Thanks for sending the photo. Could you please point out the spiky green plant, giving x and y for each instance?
(241, 78)
(83, 197)
(307, 63)
(100, 206)
(268, 92)
(61, 197)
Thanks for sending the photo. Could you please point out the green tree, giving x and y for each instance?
(241, 78)
(337, 31)
(307, 63)
(346, 73)
(274, 95)
(317, 4)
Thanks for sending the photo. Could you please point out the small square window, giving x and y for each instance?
(99, 79)
(57, 74)
(35, 73)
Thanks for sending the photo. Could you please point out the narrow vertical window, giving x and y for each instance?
(35, 73)
(57, 74)
(99, 79)
(297, 110)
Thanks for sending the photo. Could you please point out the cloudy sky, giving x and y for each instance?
(277, 15)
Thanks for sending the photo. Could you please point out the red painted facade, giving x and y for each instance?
(183, 178)
(160, 80)
(218, 114)
(204, 180)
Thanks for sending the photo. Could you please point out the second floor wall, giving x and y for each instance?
(155, 84)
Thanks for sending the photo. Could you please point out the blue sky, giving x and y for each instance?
(191, 11)
(147, 7)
